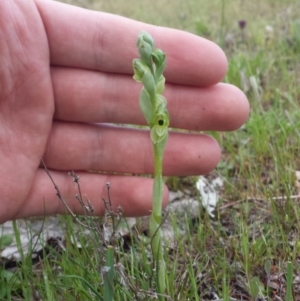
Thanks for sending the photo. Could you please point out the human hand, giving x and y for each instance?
(64, 69)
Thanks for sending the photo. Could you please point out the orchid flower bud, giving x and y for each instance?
(139, 69)
(145, 46)
(159, 59)
(143, 74)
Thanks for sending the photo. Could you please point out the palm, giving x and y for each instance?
(26, 102)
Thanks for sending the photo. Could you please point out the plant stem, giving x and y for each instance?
(289, 282)
(156, 220)
(108, 276)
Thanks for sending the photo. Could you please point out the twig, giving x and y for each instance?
(62, 199)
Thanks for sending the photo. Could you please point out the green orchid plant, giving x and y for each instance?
(148, 70)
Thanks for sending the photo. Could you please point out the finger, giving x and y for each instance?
(89, 96)
(101, 41)
(133, 194)
(124, 150)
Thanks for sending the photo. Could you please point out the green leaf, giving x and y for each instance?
(160, 85)
(6, 275)
(6, 240)
(267, 267)
(149, 83)
(161, 103)
(146, 106)
(255, 287)
(7, 281)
